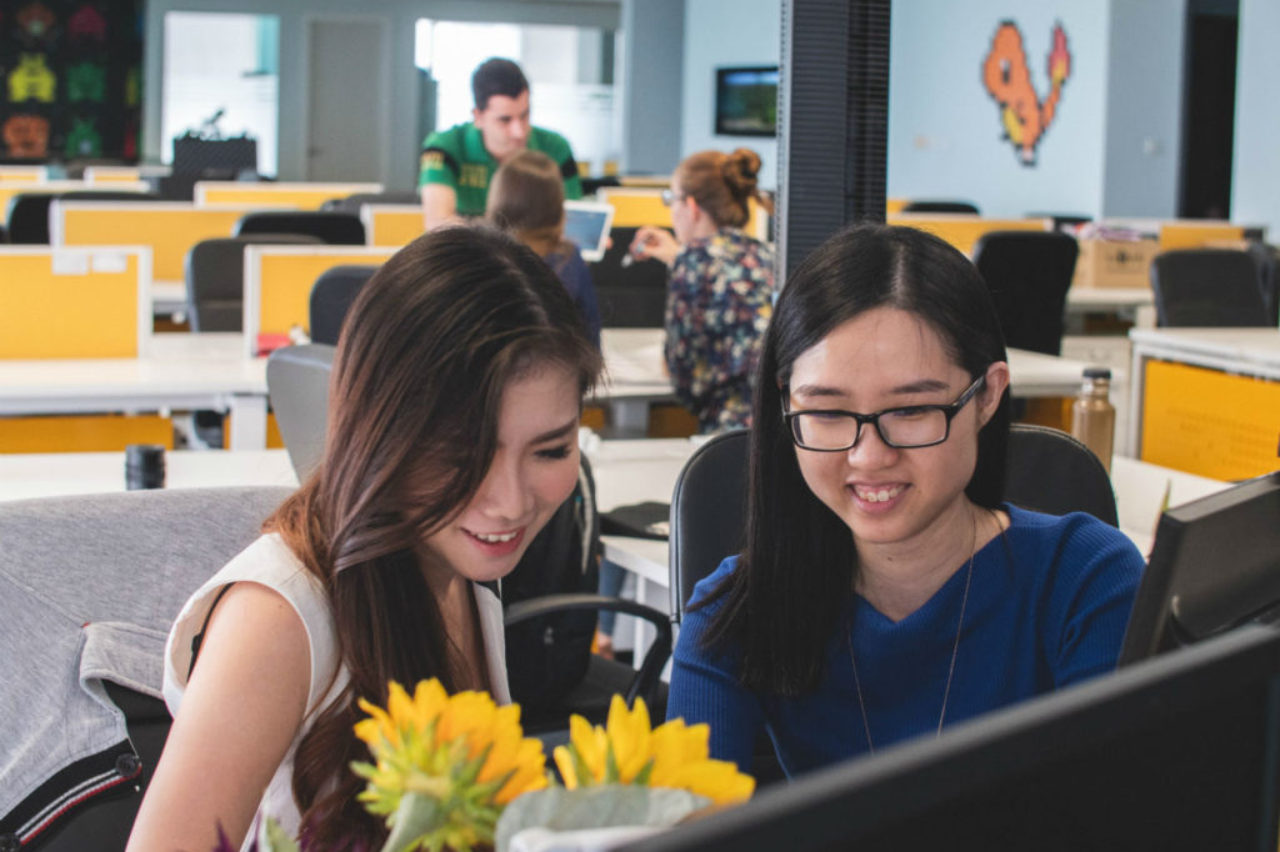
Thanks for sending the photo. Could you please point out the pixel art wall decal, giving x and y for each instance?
(1005, 74)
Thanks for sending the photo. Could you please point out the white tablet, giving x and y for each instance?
(586, 225)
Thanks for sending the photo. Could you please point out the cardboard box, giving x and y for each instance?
(1115, 263)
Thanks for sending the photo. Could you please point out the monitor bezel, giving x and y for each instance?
(718, 115)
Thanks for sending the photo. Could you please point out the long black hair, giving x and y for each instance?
(783, 602)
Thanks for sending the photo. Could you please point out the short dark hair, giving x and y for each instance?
(779, 616)
(497, 76)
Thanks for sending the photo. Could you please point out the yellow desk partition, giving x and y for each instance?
(169, 228)
(894, 205)
(24, 174)
(963, 231)
(1208, 422)
(635, 207)
(74, 303)
(111, 177)
(1193, 234)
(10, 188)
(278, 280)
(297, 195)
(391, 224)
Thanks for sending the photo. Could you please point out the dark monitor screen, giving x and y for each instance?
(1178, 752)
(1215, 564)
(747, 101)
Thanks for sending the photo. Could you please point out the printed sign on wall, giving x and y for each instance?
(1023, 115)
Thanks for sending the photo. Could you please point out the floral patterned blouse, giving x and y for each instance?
(718, 305)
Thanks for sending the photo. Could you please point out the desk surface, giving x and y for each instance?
(635, 366)
(1246, 347)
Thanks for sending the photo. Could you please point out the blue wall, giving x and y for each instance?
(945, 134)
(1255, 185)
(723, 33)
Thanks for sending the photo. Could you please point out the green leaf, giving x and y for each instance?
(417, 815)
(273, 838)
(558, 809)
(611, 773)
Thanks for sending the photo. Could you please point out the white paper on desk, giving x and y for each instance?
(70, 263)
(110, 262)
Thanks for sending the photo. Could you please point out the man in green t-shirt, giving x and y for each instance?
(458, 163)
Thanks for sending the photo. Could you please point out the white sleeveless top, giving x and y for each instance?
(270, 562)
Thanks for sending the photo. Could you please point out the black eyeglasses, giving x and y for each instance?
(669, 197)
(909, 427)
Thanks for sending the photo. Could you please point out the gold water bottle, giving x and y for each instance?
(1093, 417)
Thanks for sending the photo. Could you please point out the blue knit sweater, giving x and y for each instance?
(1048, 606)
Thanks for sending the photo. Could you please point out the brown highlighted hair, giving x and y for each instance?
(722, 184)
(526, 199)
(427, 350)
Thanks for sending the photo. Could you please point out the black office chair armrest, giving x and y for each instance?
(646, 679)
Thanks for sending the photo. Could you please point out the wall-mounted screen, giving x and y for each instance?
(747, 101)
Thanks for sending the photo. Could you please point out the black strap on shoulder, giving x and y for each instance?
(569, 168)
(199, 637)
(446, 159)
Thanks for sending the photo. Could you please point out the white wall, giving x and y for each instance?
(945, 133)
(721, 33)
(1255, 179)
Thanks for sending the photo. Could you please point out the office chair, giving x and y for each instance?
(298, 388)
(214, 273)
(1265, 258)
(1028, 274)
(632, 296)
(140, 555)
(331, 227)
(1047, 470)
(331, 297)
(1207, 287)
(27, 218)
(939, 206)
(352, 203)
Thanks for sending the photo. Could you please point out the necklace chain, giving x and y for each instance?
(951, 669)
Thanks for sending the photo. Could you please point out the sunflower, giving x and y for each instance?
(458, 759)
(628, 751)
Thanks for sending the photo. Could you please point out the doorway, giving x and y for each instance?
(348, 124)
(1208, 127)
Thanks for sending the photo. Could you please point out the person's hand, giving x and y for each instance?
(656, 243)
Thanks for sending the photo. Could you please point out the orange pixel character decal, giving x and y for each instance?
(1008, 80)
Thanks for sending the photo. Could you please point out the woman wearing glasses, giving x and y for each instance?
(721, 290)
(885, 591)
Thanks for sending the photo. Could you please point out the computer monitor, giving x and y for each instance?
(747, 101)
(1178, 752)
(1215, 564)
(586, 225)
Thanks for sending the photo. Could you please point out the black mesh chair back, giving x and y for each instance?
(343, 229)
(331, 297)
(1049, 471)
(1207, 287)
(1267, 261)
(1028, 274)
(27, 218)
(708, 513)
(632, 296)
(939, 206)
(214, 274)
(353, 203)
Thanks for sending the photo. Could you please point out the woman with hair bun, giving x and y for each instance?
(721, 291)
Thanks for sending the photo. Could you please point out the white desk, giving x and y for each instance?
(30, 475)
(177, 371)
(1138, 301)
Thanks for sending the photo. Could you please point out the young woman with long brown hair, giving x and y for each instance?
(526, 199)
(455, 400)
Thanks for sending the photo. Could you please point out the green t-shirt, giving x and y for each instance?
(457, 158)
